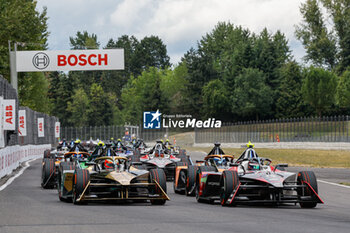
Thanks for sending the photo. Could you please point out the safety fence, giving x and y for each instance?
(304, 129)
(8, 92)
(12, 156)
(32, 136)
(26, 122)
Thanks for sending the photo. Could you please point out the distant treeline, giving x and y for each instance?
(233, 74)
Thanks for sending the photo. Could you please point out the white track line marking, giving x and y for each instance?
(9, 181)
(340, 185)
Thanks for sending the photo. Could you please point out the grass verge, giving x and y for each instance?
(295, 157)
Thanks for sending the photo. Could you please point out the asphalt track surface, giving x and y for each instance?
(26, 207)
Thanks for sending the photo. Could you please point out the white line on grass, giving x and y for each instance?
(340, 185)
(9, 181)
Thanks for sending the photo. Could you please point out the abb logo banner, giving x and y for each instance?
(9, 114)
(107, 59)
(41, 127)
(22, 123)
(57, 129)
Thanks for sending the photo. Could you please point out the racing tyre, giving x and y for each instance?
(47, 173)
(159, 176)
(63, 166)
(309, 177)
(191, 180)
(47, 154)
(80, 181)
(229, 182)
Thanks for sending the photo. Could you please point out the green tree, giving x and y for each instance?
(84, 41)
(290, 102)
(78, 108)
(33, 92)
(340, 15)
(225, 53)
(150, 52)
(343, 90)
(21, 22)
(172, 85)
(329, 49)
(252, 98)
(60, 93)
(319, 88)
(84, 79)
(113, 81)
(216, 100)
(100, 111)
(144, 93)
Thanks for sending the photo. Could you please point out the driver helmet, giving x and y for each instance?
(100, 143)
(253, 166)
(77, 141)
(250, 145)
(220, 161)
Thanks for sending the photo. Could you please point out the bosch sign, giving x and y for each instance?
(82, 60)
(108, 59)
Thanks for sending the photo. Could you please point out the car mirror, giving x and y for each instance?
(281, 166)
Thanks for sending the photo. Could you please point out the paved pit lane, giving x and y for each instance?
(26, 207)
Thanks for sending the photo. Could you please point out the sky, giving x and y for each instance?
(179, 23)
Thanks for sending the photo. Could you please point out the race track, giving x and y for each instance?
(26, 207)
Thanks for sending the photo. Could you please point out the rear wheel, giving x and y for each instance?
(191, 180)
(229, 182)
(47, 154)
(47, 173)
(309, 177)
(80, 181)
(158, 175)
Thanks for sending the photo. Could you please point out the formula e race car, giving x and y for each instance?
(50, 165)
(111, 179)
(185, 173)
(160, 157)
(252, 180)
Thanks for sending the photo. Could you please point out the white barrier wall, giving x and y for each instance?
(12, 156)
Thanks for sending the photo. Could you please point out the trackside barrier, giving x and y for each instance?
(12, 156)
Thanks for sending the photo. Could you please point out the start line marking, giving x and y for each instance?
(9, 181)
(340, 185)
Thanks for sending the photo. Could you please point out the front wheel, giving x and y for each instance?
(158, 175)
(48, 173)
(229, 182)
(191, 180)
(309, 177)
(80, 181)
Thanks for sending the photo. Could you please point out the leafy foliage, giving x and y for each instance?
(22, 23)
(318, 88)
(343, 90)
(252, 96)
